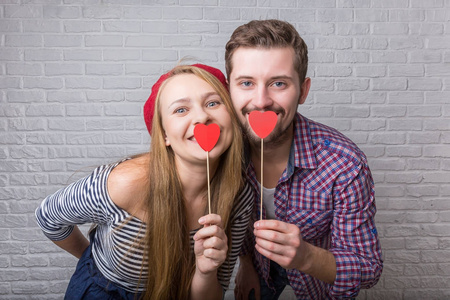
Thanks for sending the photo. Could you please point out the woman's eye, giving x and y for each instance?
(212, 103)
(180, 110)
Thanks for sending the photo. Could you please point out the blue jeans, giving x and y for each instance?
(88, 283)
(279, 281)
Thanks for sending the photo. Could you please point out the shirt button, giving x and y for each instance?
(309, 220)
(374, 231)
(327, 142)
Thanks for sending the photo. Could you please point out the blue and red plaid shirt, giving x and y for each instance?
(328, 192)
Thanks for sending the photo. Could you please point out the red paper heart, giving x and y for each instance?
(207, 135)
(262, 123)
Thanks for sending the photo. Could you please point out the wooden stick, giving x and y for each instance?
(209, 188)
(262, 176)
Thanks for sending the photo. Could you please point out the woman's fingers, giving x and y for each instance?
(209, 232)
(211, 219)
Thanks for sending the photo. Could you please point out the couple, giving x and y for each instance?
(153, 238)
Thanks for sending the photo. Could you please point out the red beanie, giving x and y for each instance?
(149, 106)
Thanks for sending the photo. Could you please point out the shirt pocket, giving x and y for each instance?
(313, 224)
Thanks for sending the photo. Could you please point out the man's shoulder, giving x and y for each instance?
(324, 137)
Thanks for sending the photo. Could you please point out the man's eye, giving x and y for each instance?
(246, 83)
(279, 84)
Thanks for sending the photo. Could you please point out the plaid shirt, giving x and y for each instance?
(328, 192)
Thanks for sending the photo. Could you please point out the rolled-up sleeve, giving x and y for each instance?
(355, 242)
(80, 202)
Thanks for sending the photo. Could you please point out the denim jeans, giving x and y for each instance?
(279, 281)
(88, 283)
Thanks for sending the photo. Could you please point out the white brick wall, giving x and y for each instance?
(75, 74)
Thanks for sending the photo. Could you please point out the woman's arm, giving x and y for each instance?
(84, 201)
(75, 243)
(206, 286)
(210, 252)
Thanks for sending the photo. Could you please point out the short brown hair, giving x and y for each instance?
(268, 34)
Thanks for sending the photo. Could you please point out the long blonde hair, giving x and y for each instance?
(169, 259)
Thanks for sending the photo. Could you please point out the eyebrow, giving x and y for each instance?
(271, 78)
(187, 100)
(182, 100)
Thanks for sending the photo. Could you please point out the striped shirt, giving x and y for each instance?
(114, 250)
(328, 192)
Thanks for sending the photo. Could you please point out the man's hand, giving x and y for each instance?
(247, 279)
(283, 243)
(280, 242)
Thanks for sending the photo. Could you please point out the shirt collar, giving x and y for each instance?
(302, 150)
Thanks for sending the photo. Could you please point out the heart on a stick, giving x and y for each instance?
(207, 135)
(262, 123)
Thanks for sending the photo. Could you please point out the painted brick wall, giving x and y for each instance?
(74, 75)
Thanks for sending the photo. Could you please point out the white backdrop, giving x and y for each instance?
(74, 75)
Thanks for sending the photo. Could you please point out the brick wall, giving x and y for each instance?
(74, 75)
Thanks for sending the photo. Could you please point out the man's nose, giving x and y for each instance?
(262, 98)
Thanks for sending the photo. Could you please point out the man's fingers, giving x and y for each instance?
(270, 235)
(270, 246)
(274, 225)
(279, 259)
(278, 232)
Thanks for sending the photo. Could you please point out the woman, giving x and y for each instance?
(153, 239)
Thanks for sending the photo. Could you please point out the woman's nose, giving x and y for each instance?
(201, 116)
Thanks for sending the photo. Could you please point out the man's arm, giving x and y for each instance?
(354, 258)
(354, 240)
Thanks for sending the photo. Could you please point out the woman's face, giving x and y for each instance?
(185, 101)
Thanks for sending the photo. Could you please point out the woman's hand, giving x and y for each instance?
(211, 245)
(210, 250)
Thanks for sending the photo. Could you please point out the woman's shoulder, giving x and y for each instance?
(127, 183)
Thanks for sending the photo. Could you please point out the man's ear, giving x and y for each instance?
(304, 90)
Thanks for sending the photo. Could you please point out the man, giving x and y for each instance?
(318, 232)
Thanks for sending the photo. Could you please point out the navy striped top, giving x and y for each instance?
(114, 246)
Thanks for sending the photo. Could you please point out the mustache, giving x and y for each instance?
(275, 110)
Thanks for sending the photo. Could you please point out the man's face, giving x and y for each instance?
(264, 80)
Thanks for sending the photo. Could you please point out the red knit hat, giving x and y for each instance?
(149, 106)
